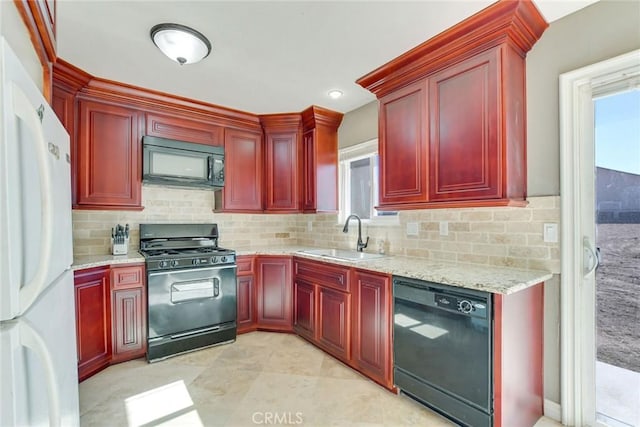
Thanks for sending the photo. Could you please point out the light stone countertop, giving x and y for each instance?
(497, 280)
(89, 261)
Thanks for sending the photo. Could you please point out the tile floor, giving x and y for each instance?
(261, 379)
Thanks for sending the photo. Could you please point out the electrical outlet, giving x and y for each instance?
(551, 232)
(309, 225)
(444, 228)
(412, 229)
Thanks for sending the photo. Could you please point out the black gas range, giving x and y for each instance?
(177, 246)
(191, 288)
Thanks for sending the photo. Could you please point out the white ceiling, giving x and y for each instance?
(268, 56)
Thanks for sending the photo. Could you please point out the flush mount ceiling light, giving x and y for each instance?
(180, 43)
(335, 94)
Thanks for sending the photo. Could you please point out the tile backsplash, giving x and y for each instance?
(504, 236)
(92, 229)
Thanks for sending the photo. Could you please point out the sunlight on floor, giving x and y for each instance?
(171, 403)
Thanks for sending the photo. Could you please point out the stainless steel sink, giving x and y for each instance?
(342, 254)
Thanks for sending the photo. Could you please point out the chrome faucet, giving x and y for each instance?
(360, 245)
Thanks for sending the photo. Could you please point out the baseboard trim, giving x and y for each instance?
(552, 410)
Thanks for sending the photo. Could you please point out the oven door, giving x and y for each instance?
(191, 299)
(441, 355)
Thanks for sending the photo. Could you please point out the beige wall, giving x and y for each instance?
(359, 125)
(598, 32)
(15, 32)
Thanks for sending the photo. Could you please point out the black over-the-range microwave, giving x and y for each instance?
(182, 164)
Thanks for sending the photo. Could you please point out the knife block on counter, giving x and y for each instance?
(120, 248)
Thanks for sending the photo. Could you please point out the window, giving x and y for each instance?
(359, 175)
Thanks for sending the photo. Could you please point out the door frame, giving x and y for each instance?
(577, 296)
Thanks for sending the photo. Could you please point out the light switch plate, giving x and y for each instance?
(551, 232)
(412, 229)
(444, 228)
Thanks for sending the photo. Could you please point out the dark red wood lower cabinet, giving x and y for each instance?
(129, 324)
(334, 323)
(372, 353)
(246, 317)
(275, 293)
(93, 320)
(304, 314)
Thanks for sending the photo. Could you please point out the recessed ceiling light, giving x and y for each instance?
(335, 94)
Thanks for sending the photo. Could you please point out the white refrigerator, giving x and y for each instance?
(38, 359)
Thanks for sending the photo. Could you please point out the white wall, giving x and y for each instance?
(15, 32)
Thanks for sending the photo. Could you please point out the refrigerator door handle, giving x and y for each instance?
(26, 111)
(31, 339)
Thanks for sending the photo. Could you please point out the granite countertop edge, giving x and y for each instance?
(83, 262)
(493, 279)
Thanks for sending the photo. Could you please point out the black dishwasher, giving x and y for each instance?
(443, 349)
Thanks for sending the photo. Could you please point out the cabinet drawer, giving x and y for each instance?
(245, 265)
(323, 274)
(127, 277)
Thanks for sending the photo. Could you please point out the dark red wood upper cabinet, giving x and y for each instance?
(183, 128)
(275, 293)
(320, 159)
(372, 352)
(243, 169)
(469, 147)
(282, 178)
(304, 314)
(108, 159)
(464, 152)
(334, 322)
(403, 146)
(93, 320)
(283, 162)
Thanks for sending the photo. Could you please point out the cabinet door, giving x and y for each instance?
(246, 304)
(183, 129)
(282, 172)
(129, 324)
(275, 299)
(403, 145)
(464, 157)
(93, 321)
(108, 157)
(372, 326)
(309, 172)
(304, 300)
(334, 323)
(243, 164)
(128, 312)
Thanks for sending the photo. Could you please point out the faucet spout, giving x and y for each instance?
(360, 245)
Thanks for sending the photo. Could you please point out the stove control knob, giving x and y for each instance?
(214, 260)
(223, 259)
(195, 261)
(465, 306)
(174, 263)
(163, 264)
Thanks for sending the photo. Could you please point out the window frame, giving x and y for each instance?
(349, 154)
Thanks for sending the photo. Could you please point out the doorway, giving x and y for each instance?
(580, 373)
(617, 224)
